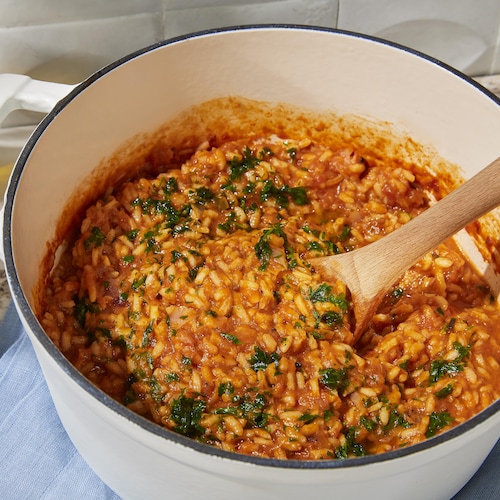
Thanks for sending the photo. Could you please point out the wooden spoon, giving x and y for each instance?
(371, 270)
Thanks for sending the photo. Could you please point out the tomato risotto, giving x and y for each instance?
(190, 298)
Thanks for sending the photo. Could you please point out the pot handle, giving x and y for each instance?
(22, 92)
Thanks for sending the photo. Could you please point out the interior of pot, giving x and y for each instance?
(320, 70)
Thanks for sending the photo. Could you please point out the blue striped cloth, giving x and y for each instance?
(37, 459)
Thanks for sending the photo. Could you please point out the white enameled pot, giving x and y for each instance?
(316, 68)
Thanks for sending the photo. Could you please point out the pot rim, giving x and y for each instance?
(29, 319)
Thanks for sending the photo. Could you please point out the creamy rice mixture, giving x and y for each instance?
(190, 298)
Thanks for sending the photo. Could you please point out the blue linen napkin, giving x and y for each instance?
(38, 460)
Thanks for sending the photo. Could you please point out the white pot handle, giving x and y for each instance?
(22, 92)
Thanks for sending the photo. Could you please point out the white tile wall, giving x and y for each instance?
(27, 12)
(66, 40)
(187, 16)
(68, 52)
(463, 33)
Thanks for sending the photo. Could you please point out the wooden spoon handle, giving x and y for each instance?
(462, 206)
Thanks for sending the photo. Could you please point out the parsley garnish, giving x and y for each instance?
(225, 388)
(82, 307)
(307, 418)
(176, 255)
(439, 367)
(263, 249)
(239, 166)
(171, 377)
(96, 239)
(231, 338)
(334, 378)
(147, 332)
(250, 409)
(396, 419)
(350, 447)
(261, 359)
(281, 195)
(332, 318)
(186, 414)
(171, 186)
(253, 410)
(173, 216)
(346, 232)
(445, 391)
(203, 194)
(437, 421)
(132, 234)
(136, 284)
(367, 423)
(323, 293)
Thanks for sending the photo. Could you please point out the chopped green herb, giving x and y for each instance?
(203, 195)
(445, 391)
(82, 307)
(263, 249)
(186, 361)
(156, 390)
(193, 272)
(128, 259)
(437, 421)
(315, 246)
(104, 332)
(350, 447)
(292, 153)
(171, 186)
(281, 195)
(171, 377)
(96, 239)
(173, 216)
(231, 338)
(261, 359)
(239, 166)
(225, 388)
(332, 318)
(298, 195)
(147, 332)
(132, 234)
(334, 378)
(181, 228)
(396, 419)
(323, 293)
(176, 255)
(186, 414)
(253, 410)
(307, 418)
(138, 283)
(250, 409)
(346, 232)
(367, 423)
(265, 151)
(439, 368)
(463, 351)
